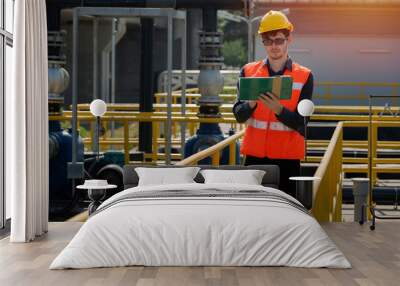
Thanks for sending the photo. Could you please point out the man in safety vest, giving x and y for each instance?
(275, 130)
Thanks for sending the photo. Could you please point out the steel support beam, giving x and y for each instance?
(146, 83)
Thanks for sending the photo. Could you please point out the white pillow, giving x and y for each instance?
(248, 177)
(166, 176)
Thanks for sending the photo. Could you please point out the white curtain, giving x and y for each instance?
(27, 124)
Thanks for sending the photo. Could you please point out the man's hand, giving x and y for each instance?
(252, 103)
(271, 101)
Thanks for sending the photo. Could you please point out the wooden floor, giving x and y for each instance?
(375, 257)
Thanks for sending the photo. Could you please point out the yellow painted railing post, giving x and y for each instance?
(374, 151)
(338, 180)
(373, 154)
(334, 182)
(174, 130)
(215, 159)
(232, 153)
(126, 141)
(331, 187)
(165, 137)
(191, 128)
(325, 190)
(155, 141)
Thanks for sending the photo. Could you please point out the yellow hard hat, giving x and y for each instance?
(274, 20)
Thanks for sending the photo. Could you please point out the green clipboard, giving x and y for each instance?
(251, 87)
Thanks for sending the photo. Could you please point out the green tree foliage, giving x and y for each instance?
(234, 53)
(235, 41)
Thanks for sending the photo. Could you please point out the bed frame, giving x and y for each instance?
(270, 179)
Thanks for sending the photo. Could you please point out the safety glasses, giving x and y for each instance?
(277, 41)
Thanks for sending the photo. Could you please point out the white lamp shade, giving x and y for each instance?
(305, 107)
(98, 107)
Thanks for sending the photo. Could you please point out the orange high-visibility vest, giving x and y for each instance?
(265, 135)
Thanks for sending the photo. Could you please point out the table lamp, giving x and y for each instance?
(305, 109)
(98, 107)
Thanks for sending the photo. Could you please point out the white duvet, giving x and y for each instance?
(200, 231)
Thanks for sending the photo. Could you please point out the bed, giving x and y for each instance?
(198, 224)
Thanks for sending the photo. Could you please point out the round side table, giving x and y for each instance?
(304, 190)
(96, 194)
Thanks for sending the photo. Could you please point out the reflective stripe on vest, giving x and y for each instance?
(264, 125)
(259, 124)
(279, 126)
(297, 85)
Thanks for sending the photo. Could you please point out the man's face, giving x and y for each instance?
(276, 46)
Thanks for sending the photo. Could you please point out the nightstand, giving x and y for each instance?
(96, 192)
(304, 190)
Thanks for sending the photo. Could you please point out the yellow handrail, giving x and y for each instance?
(160, 118)
(146, 117)
(352, 109)
(214, 152)
(320, 113)
(327, 192)
(130, 117)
